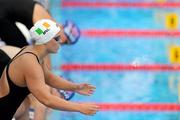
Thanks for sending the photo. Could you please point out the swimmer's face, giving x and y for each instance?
(54, 44)
(62, 34)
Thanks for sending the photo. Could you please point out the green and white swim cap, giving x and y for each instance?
(43, 31)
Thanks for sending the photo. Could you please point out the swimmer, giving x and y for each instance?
(27, 73)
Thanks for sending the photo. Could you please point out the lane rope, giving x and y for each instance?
(119, 67)
(98, 4)
(132, 33)
(140, 107)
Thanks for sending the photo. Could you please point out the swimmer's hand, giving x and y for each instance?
(88, 108)
(85, 89)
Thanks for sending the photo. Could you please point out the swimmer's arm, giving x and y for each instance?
(41, 13)
(60, 83)
(35, 82)
(57, 81)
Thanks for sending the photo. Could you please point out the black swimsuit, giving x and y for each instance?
(12, 11)
(4, 60)
(10, 103)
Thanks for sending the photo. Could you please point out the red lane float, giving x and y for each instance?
(118, 67)
(140, 107)
(98, 4)
(130, 33)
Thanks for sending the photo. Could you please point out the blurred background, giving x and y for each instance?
(130, 50)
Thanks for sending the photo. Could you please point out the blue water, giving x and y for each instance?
(120, 86)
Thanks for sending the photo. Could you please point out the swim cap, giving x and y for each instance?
(43, 31)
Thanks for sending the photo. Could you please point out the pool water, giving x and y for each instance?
(119, 86)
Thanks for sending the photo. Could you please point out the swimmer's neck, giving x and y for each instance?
(40, 51)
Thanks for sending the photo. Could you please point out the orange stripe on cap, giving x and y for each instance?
(45, 24)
